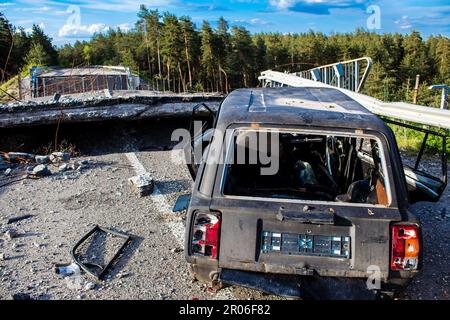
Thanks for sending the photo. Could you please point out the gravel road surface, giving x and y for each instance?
(64, 208)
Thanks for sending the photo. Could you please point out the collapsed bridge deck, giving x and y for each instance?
(104, 105)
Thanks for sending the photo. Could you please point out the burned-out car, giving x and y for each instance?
(302, 192)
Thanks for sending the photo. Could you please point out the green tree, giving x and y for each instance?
(37, 56)
(5, 45)
(208, 59)
(222, 50)
(190, 45)
(172, 44)
(87, 53)
(150, 27)
(38, 37)
(242, 57)
(415, 60)
(128, 60)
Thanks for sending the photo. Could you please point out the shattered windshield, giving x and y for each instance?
(315, 167)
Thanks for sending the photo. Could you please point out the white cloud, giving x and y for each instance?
(6, 4)
(258, 21)
(331, 4)
(43, 9)
(403, 23)
(251, 22)
(81, 31)
(124, 27)
(124, 5)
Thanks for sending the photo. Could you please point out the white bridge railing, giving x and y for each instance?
(401, 111)
(351, 74)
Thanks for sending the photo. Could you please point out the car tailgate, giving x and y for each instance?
(254, 238)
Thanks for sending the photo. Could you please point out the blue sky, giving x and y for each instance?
(69, 20)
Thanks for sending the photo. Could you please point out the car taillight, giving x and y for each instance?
(405, 247)
(205, 234)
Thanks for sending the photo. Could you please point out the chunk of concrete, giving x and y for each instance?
(63, 168)
(59, 157)
(143, 184)
(41, 171)
(42, 159)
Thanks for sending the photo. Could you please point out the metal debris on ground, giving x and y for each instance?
(143, 184)
(89, 267)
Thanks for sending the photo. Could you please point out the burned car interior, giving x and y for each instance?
(314, 167)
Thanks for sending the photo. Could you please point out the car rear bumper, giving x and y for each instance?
(304, 287)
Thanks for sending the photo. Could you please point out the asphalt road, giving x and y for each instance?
(153, 265)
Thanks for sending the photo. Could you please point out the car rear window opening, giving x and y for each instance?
(313, 167)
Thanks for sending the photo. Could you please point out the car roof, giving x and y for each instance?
(311, 106)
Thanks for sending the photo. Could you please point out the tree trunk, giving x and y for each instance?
(159, 58)
(181, 77)
(186, 46)
(168, 76)
(226, 80)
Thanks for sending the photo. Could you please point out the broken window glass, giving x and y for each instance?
(314, 167)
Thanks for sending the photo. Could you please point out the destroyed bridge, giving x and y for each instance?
(348, 77)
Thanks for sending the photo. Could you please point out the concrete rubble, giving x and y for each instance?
(103, 105)
(142, 184)
(42, 159)
(41, 170)
(59, 157)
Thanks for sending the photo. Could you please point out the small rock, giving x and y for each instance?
(21, 296)
(42, 159)
(121, 275)
(3, 257)
(41, 171)
(89, 286)
(143, 184)
(10, 234)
